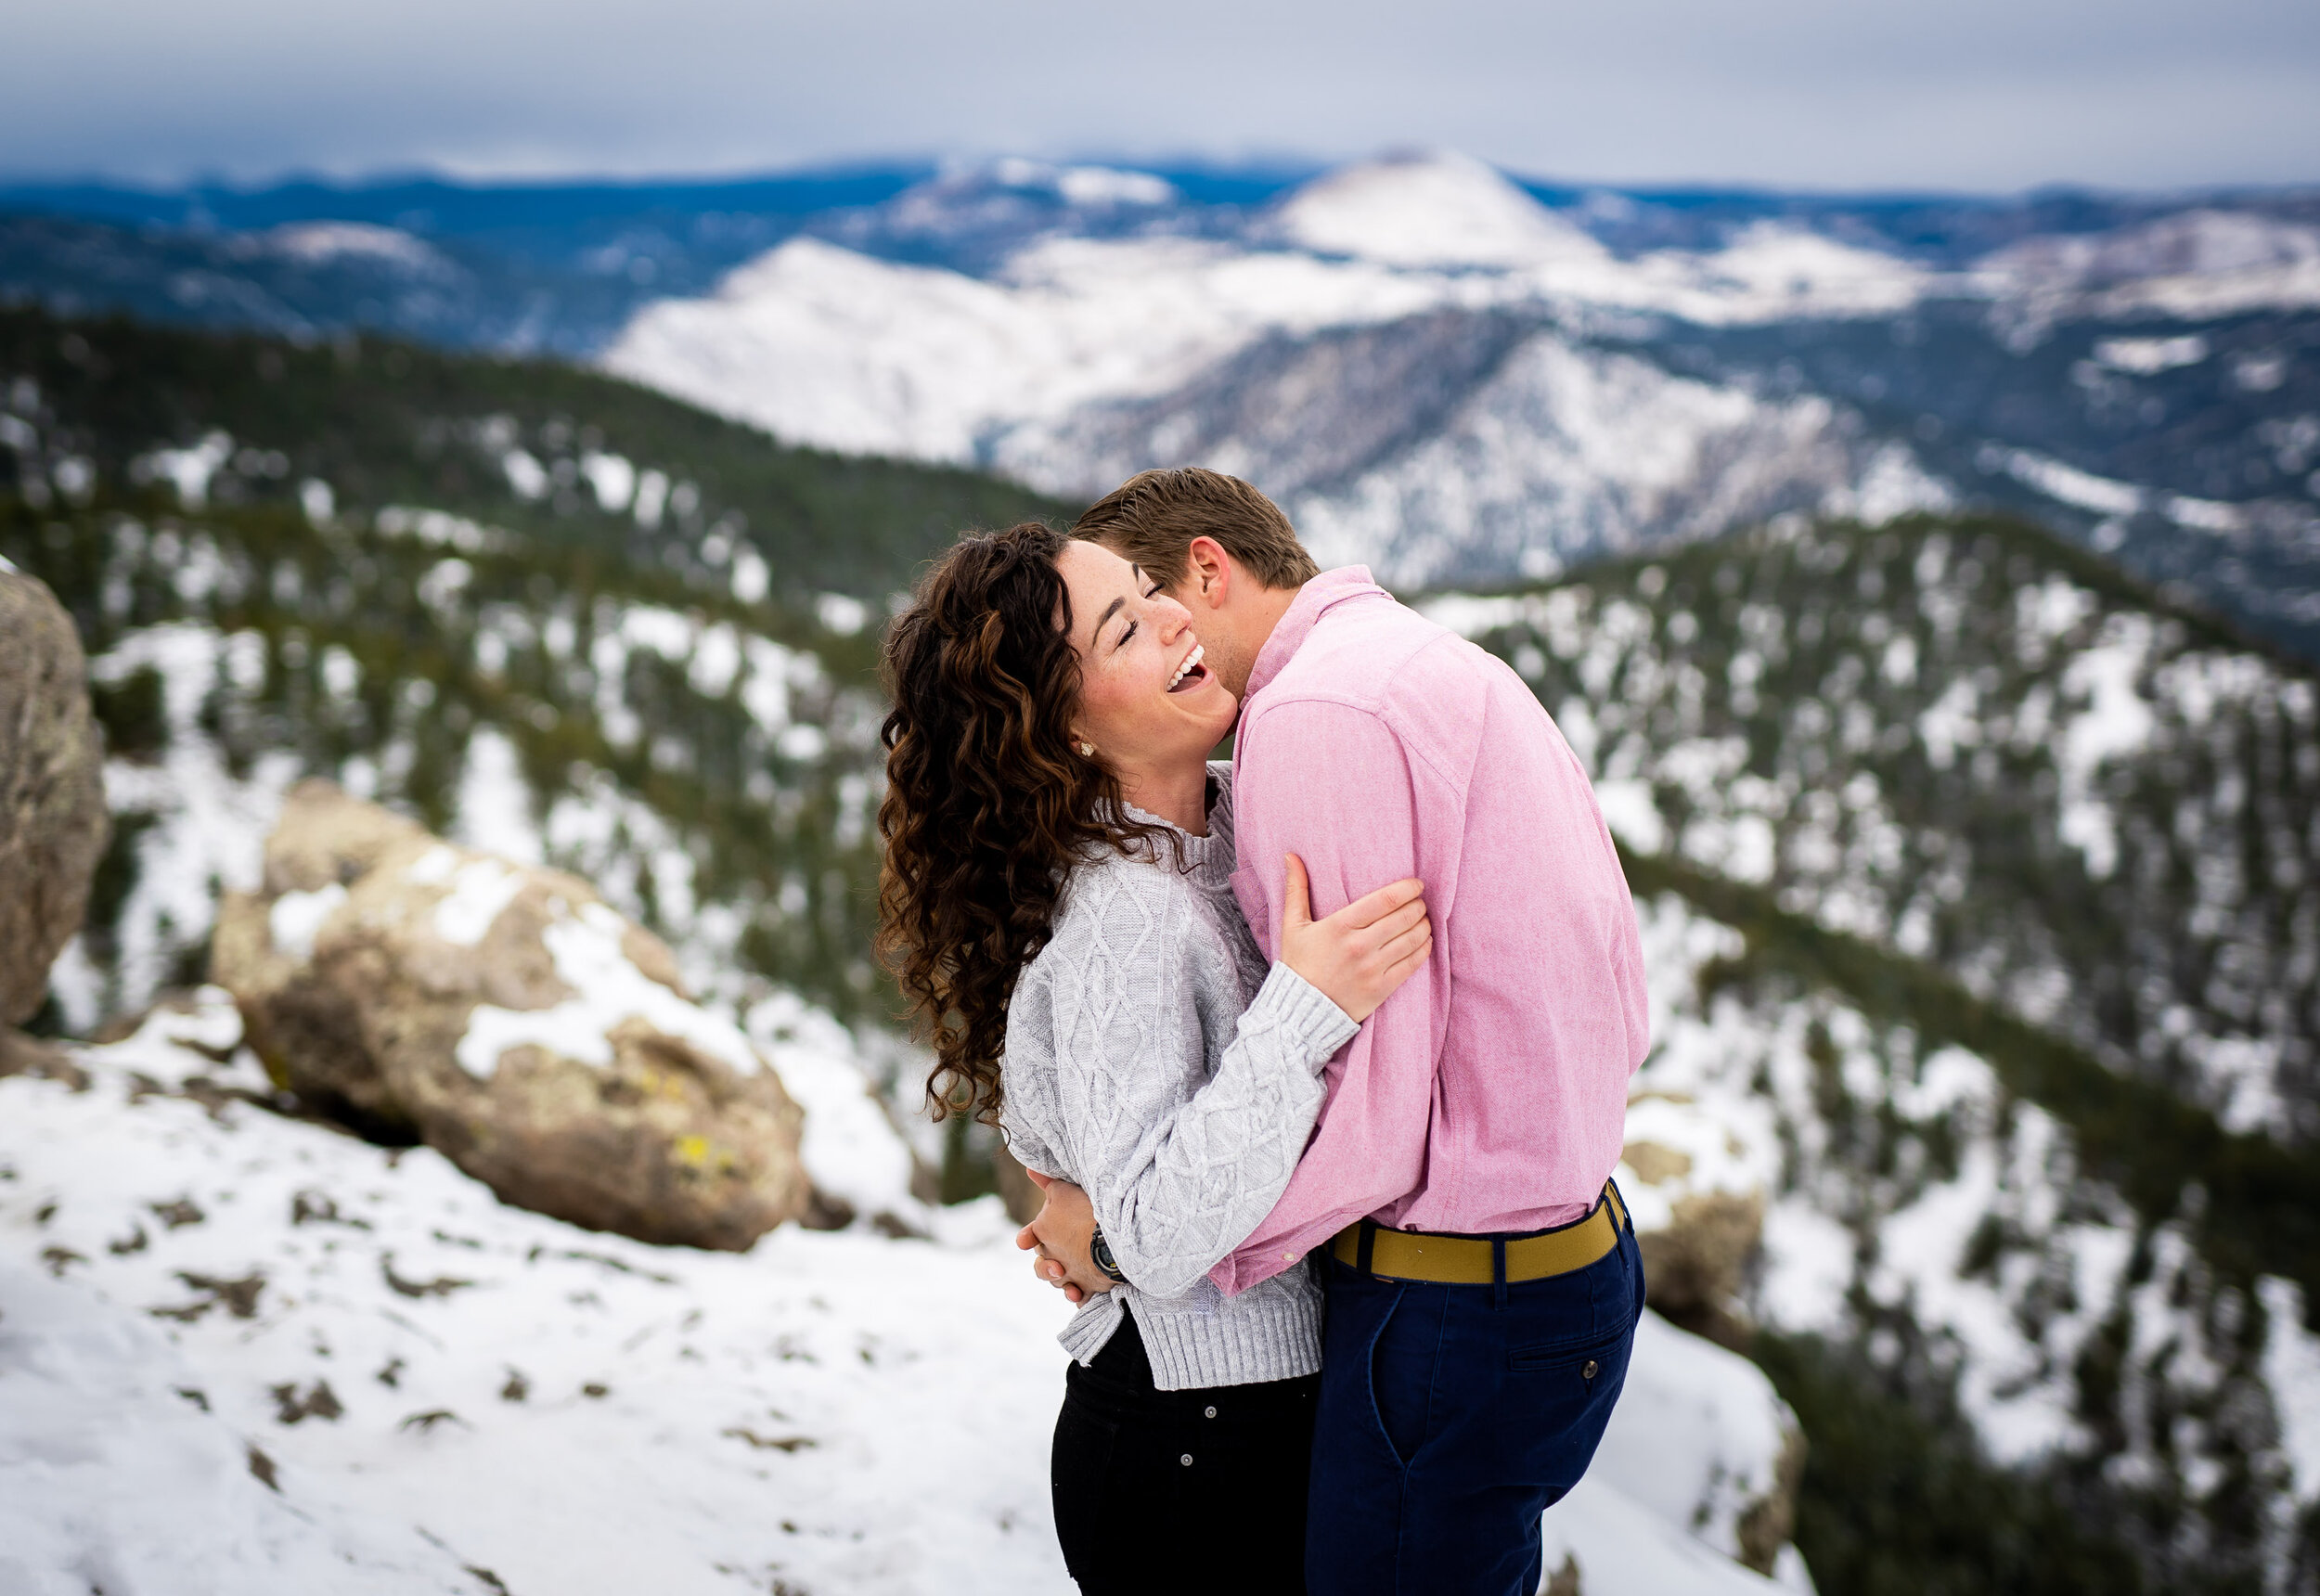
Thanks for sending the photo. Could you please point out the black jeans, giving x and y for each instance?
(1181, 1490)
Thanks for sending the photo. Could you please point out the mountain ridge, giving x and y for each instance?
(2141, 372)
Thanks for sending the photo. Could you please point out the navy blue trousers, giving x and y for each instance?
(1451, 1417)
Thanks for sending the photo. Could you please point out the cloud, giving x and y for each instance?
(1971, 94)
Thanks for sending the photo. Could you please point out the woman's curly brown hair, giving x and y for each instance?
(988, 804)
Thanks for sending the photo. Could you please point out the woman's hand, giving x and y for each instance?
(1059, 1235)
(1358, 956)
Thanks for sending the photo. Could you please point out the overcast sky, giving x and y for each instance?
(1829, 94)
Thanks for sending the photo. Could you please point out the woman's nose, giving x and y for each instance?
(1171, 618)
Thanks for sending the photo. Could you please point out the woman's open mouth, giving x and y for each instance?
(1190, 674)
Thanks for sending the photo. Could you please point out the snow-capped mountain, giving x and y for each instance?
(1445, 378)
(1459, 377)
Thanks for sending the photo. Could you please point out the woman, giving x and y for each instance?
(1056, 903)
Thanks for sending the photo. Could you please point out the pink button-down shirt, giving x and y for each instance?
(1490, 1092)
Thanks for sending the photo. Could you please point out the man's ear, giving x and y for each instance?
(1207, 573)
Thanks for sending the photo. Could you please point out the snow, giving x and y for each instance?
(850, 1146)
(496, 803)
(116, 1477)
(652, 490)
(453, 1394)
(2149, 356)
(297, 917)
(1435, 209)
(318, 243)
(837, 1411)
(606, 988)
(480, 889)
(1620, 1547)
(441, 529)
(1565, 449)
(2068, 484)
(2197, 266)
(526, 477)
(840, 614)
(612, 478)
(2116, 721)
(2291, 1368)
(1628, 809)
(1698, 1442)
(821, 345)
(751, 576)
(209, 825)
(187, 470)
(1109, 185)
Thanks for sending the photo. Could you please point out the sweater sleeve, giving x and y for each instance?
(1027, 1112)
(1179, 1165)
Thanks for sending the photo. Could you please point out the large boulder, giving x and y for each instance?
(510, 1018)
(53, 825)
(1695, 1190)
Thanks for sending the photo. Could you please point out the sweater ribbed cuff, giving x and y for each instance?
(1297, 1007)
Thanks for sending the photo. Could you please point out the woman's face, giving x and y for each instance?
(1145, 698)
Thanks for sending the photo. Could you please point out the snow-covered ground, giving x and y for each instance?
(243, 1353)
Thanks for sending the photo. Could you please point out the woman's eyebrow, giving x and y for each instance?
(1105, 618)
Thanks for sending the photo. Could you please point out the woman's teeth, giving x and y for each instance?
(1191, 664)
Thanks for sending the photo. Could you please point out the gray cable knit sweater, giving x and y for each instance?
(1154, 1061)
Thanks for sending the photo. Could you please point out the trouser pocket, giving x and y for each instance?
(1401, 1364)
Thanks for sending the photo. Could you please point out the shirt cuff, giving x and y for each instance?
(1294, 1005)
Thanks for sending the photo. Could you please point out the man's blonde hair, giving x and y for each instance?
(1153, 518)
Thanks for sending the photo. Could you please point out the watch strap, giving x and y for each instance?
(1100, 1253)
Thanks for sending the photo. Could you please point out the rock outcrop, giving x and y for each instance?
(510, 1018)
(52, 825)
(1697, 1196)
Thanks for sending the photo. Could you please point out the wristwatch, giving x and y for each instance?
(1100, 1251)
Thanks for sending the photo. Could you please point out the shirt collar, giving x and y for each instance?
(1313, 601)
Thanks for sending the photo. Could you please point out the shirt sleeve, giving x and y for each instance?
(1177, 1171)
(1332, 783)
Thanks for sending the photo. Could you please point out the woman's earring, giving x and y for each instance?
(1086, 750)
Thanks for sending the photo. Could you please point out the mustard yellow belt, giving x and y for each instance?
(1471, 1260)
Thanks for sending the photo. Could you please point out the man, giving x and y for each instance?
(1482, 1285)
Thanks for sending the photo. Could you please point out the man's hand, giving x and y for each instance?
(1059, 1233)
